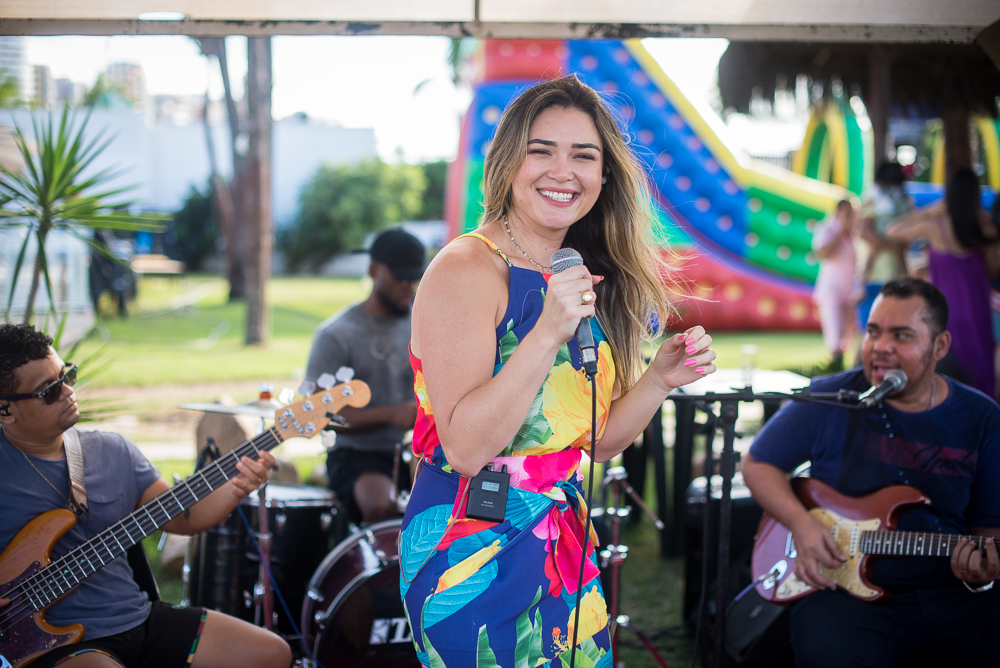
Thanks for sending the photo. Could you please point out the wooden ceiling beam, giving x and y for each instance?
(929, 34)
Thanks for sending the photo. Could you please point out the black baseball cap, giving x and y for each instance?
(402, 253)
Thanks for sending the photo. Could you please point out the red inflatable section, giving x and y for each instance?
(728, 300)
(523, 59)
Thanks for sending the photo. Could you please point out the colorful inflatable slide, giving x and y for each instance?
(739, 230)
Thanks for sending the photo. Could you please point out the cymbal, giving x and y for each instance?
(262, 408)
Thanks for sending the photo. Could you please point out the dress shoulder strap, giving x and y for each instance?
(489, 243)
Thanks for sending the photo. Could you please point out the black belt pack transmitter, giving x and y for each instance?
(488, 496)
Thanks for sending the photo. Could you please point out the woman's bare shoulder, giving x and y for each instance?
(465, 261)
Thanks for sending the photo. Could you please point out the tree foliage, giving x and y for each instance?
(432, 206)
(10, 90)
(341, 204)
(195, 229)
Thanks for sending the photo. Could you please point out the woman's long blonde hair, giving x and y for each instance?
(615, 238)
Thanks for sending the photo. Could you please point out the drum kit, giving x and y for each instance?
(287, 559)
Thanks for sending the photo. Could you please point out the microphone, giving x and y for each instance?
(562, 259)
(894, 381)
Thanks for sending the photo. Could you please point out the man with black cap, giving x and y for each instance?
(373, 338)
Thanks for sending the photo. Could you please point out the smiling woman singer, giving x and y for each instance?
(499, 382)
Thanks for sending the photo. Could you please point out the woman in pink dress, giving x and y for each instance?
(837, 287)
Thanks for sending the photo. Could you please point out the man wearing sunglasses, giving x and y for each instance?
(122, 627)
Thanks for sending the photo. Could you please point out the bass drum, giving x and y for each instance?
(353, 615)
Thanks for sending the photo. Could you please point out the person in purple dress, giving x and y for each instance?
(964, 253)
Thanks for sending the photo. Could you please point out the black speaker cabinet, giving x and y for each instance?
(746, 517)
(757, 633)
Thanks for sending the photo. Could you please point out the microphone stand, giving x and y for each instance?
(728, 459)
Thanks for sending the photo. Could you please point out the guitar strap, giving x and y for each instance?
(74, 461)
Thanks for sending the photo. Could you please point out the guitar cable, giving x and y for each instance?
(586, 524)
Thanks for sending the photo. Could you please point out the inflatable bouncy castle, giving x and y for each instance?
(737, 231)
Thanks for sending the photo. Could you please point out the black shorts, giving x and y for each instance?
(345, 466)
(167, 639)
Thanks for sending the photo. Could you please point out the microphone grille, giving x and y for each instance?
(897, 377)
(563, 259)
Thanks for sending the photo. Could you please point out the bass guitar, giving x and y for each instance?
(32, 582)
(863, 527)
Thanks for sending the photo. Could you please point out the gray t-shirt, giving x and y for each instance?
(377, 349)
(116, 473)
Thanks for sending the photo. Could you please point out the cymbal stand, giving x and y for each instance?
(614, 555)
(263, 596)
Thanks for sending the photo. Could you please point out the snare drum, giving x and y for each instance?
(223, 566)
(353, 614)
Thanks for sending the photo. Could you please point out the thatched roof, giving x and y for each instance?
(923, 77)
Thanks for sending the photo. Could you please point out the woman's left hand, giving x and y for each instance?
(683, 359)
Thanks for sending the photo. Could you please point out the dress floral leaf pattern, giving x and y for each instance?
(506, 591)
(485, 658)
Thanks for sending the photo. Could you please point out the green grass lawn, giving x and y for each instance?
(186, 331)
(183, 339)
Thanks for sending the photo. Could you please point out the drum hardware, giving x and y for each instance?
(614, 554)
(352, 613)
(400, 497)
(263, 585)
(225, 565)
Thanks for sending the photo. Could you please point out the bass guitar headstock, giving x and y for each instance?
(307, 417)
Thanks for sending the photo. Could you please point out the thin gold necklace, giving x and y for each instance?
(540, 267)
(69, 502)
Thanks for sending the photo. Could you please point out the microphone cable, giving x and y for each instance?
(586, 524)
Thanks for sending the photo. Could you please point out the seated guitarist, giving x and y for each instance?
(936, 435)
(122, 627)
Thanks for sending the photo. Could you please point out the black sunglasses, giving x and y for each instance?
(51, 392)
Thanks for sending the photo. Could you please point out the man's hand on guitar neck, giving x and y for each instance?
(973, 566)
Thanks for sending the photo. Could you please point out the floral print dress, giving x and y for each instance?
(485, 594)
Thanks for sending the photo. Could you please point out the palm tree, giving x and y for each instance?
(52, 192)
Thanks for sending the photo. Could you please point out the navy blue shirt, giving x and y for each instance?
(116, 473)
(951, 453)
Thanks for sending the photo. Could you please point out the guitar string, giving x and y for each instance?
(37, 583)
(905, 542)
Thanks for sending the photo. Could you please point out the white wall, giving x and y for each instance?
(163, 161)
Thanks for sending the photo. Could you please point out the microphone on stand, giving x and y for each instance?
(563, 259)
(894, 381)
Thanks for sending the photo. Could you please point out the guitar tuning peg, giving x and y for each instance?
(337, 419)
(326, 381)
(345, 374)
(286, 396)
(306, 389)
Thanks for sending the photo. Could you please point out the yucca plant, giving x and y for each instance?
(52, 192)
